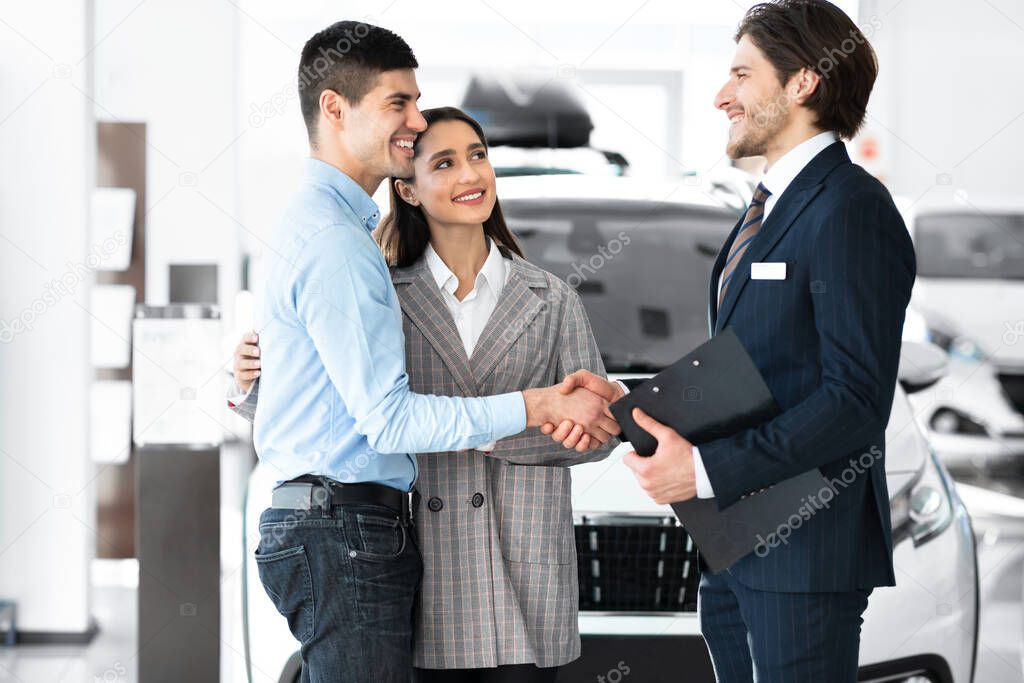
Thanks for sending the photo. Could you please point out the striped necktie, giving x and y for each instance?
(751, 226)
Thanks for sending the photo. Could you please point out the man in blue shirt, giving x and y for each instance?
(337, 420)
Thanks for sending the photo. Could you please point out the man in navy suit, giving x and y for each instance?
(815, 280)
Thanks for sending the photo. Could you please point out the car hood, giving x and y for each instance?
(988, 312)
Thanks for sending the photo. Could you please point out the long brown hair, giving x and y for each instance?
(403, 234)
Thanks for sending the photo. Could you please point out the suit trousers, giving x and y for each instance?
(774, 637)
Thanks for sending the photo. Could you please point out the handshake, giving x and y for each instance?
(575, 412)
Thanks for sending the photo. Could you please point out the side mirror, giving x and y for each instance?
(921, 365)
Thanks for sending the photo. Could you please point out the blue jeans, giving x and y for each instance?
(346, 581)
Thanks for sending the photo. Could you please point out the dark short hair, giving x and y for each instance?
(817, 35)
(347, 57)
(403, 234)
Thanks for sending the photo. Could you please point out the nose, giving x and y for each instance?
(415, 121)
(725, 96)
(469, 174)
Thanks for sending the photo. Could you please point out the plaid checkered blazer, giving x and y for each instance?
(496, 530)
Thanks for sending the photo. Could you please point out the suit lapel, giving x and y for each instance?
(516, 309)
(775, 226)
(716, 271)
(421, 301)
(807, 184)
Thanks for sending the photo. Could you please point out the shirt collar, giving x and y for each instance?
(783, 171)
(349, 190)
(493, 270)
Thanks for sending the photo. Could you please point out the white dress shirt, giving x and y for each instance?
(474, 310)
(472, 313)
(776, 179)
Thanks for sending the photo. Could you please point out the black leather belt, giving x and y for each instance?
(308, 492)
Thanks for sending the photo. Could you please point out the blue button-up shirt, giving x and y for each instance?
(334, 395)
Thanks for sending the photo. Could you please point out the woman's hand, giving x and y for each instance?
(247, 360)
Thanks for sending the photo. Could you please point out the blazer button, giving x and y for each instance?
(435, 504)
(478, 500)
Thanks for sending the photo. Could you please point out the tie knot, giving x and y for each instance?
(761, 193)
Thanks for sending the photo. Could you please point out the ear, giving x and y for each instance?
(332, 109)
(406, 192)
(804, 84)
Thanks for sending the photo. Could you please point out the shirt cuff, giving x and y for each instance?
(236, 396)
(704, 489)
(625, 389)
(508, 414)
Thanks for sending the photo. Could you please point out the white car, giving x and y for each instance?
(637, 567)
(969, 300)
(998, 521)
(969, 421)
(970, 285)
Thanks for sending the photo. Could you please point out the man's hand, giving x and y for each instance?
(247, 360)
(567, 432)
(668, 475)
(583, 408)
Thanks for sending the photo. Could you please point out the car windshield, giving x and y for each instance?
(641, 269)
(970, 245)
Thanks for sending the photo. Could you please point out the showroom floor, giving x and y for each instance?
(111, 658)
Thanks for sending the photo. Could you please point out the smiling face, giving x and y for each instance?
(757, 105)
(454, 180)
(379, 132)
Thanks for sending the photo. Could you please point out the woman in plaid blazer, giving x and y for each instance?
(499, 596)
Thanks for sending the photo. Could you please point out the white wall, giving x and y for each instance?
(47, 134)
(948, 104)
(173, 64)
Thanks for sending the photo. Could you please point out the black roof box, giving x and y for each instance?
(527, 112)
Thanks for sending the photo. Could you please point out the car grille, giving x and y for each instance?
(636, 564)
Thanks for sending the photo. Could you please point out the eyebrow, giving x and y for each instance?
(739, 68)
(404, 96)
(449, 152)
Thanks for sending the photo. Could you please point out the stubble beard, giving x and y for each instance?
(760, 127)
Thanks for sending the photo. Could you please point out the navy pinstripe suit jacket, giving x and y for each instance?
(827, 340)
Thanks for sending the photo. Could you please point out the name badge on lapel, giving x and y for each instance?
(768, 271)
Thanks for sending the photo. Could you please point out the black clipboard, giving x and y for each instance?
(712, 392)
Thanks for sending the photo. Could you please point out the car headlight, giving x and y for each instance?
(923, 508)
(947, 420)
(967, 349)
(956, 345)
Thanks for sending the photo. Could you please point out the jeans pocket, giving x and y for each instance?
(378, 537)
(287, 580)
